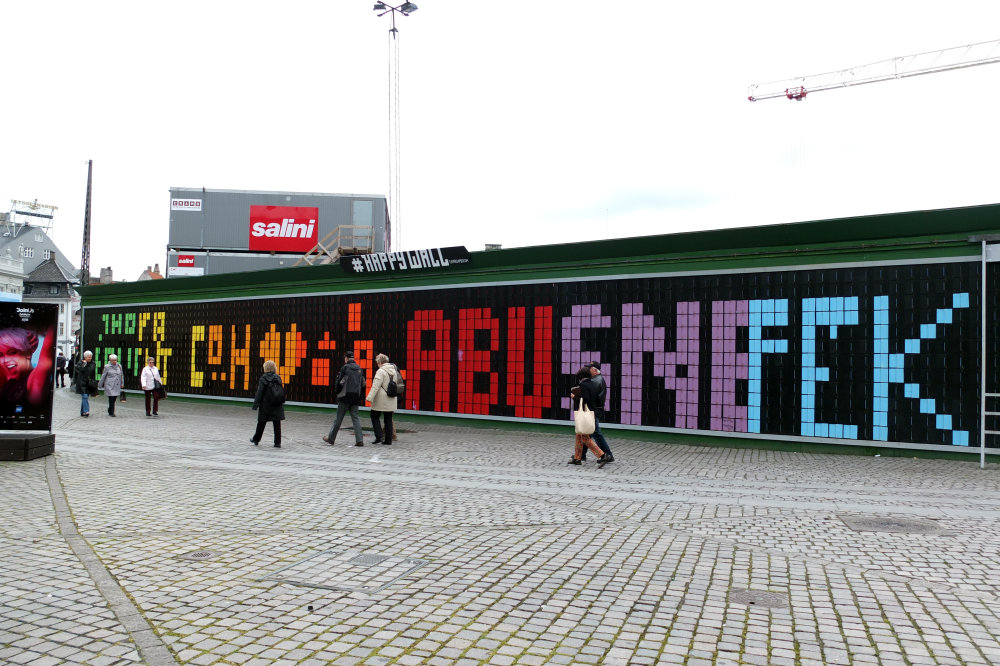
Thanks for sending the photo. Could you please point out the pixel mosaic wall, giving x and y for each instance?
(884, 353)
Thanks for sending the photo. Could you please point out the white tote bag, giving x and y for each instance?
(584, 419)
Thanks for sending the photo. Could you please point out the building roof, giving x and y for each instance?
(206, 190)
(50, 271)
(30, 243)
(151, 273)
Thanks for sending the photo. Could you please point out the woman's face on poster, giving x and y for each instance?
(14, 362)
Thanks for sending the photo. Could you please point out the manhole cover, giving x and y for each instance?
(350, 571)
(758, 598)
(200, 555)
(892, 524)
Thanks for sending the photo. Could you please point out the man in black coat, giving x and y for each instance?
(602, 393)
(350, 394)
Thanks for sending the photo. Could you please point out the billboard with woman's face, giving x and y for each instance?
(27, 362)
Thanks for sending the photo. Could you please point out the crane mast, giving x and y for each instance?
(957, 57)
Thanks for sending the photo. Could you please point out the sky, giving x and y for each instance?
(522, 122)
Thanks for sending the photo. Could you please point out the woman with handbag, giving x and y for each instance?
(584, 399)
(85, 381)
(150, 383)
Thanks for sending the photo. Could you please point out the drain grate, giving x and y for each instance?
(349, 571)
(200, 555)
(895, 524)
(367, 560)
(758, 598)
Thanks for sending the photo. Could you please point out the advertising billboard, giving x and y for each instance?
(852, 353)
(283, 228)
(27, 363)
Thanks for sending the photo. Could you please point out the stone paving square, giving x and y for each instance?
(174, 541)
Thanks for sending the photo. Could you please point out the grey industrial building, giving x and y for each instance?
(230, 231)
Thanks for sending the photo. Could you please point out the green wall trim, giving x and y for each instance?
(876, 238)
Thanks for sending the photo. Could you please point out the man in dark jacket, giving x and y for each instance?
(85, 381)
(61, 369)
(602, 393)
(350, 394)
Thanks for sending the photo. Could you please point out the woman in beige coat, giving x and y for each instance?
(381, 403)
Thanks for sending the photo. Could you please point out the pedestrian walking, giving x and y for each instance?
(269, 403)
(350, 394)
(585, 394)
(152, 384)
(602, 394)
(61, 370)
(84, 379)
(112, 380)
(383, 405)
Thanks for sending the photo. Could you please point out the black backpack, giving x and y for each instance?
(352, 389)
(394, 388)
(276, 393)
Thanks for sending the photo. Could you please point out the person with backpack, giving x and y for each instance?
(61, 370)
(269, 403)
(350, 394)
(382, 396)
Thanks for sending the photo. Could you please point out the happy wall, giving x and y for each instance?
(883, 353)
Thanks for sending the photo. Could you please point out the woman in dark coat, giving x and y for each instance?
(84, 378)
(585, 393)
(267, 409)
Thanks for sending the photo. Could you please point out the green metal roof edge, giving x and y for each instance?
(909, 235)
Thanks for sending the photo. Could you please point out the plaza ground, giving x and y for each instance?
(175, 541)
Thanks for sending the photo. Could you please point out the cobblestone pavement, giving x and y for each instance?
(175, 541)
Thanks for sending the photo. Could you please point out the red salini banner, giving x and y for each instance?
(283, 228)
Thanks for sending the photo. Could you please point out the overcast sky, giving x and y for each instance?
(523, 122)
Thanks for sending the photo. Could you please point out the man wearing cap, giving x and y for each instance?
(602, 394)
(350, 393)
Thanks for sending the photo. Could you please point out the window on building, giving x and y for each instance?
(62, 308)
(38, 237)
(46, 254)
(62, 328)
(53, 289)
(28, 252)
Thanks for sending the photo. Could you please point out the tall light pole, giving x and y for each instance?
(405, 9)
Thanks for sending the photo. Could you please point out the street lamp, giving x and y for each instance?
(405, 9)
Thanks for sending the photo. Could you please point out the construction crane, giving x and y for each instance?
(957, 57)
